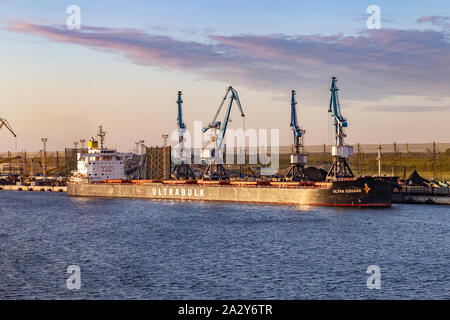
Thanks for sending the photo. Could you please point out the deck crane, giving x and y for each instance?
(214, 156)
(340, 152)
(181, 170)
(296, 171)
(4, 122)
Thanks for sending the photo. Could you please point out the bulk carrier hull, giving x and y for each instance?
(363, 192)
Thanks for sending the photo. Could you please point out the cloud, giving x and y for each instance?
(385, 17)
(187, 30)
(371, 64)
(138, 46)
(408, 108)
(440, 21)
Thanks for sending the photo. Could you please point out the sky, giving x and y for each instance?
(123, 69)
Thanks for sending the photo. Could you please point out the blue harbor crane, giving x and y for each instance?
(214, 156)
(298, 132)
(181, 125)
(340, 152)
(296, 171)
(181, 170)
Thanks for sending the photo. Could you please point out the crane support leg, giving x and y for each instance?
(182, 172)
(296, 172)
(339, 169)
(215, 172)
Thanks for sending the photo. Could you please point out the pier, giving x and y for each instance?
(419, 199)
(33, 188)
(422, 195)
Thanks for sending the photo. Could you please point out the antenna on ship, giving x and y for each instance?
(340, 152)
(101, 134)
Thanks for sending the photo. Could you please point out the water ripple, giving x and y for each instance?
(144, 249)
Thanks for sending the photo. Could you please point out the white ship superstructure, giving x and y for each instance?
(100, 163)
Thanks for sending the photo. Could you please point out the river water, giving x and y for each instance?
(146, 249)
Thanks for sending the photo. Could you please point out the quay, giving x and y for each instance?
(33, 188)
(422, 195)
(420, 199)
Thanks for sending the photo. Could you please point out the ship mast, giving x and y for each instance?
(101, 134)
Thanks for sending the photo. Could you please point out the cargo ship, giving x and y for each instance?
(361, 192)
(101, 173)
(338, 187)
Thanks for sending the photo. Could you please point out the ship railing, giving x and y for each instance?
(243, 183)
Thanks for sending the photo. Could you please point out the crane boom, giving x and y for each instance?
(215, 169)
(298, 132)
(3, 160)
(4, 122)
(335, 110)
(222, 126)
(180, 112)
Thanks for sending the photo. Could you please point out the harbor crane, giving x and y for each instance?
(5, 123)
(181, 170)
(340, 152)
(296, 171)
(214, 156)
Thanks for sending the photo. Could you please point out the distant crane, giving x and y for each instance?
(164, 139)
(181, 170)
(4, 122)
(340, 152)
(296, 171)
(214, 156)
(137, 147)
(142, 147)
(9, 158)
(82, 142)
